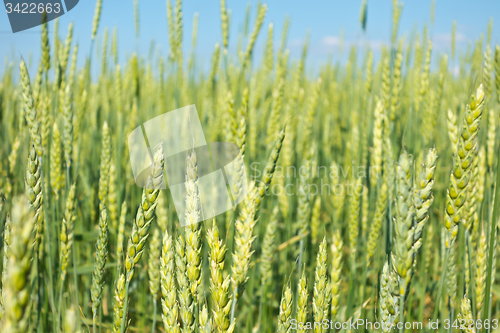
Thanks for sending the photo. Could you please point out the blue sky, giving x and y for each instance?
(324, 19)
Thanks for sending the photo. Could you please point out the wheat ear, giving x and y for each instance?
(403, 250)
(285, 314)
(465, 316)
(246, 221)
(268, 247)
(377, 221)
(482, 264)
(302, 302)
(459, 178)
(320, 302)
(142, 222)
(34, 193)
(169, 303)
(67, 231)
(104, 168)
(119, 302)
(145, 215)
(193, 227)
(56, 174)
(423, 198)
(387, 302)
(7, 239)
(121, 235)
(17, 287)
(315, 220)
(336, 272)
(99, 263)
(97, 17)
(184, 294)
(29, 105)
(154, 270)
(219, 285)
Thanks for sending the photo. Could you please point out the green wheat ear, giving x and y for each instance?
(35, 193)
(97, 17)
(99, 263)
(461, 173)
(320, 299)
(67, 231)
(17, 288)
(219, 285)
(302, 300)
(285, 312)
(465, 315)
(169, 302)
(7, 239)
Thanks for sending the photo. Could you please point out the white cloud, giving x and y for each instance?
(377, 44)
(446, 38)
(296, 43)
(330, 41)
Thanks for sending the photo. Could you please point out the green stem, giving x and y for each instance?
(299, 271)
(233, 305)
(441, 283)
(471, 274)
(261, 305)
(94, 320)
(61, 287)
(75, 280)
(154, 315)
(402, 307)
(49, 254)
(452, 315)
(493, 222)
(125, 306)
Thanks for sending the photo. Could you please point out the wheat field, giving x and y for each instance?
(372, 187)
